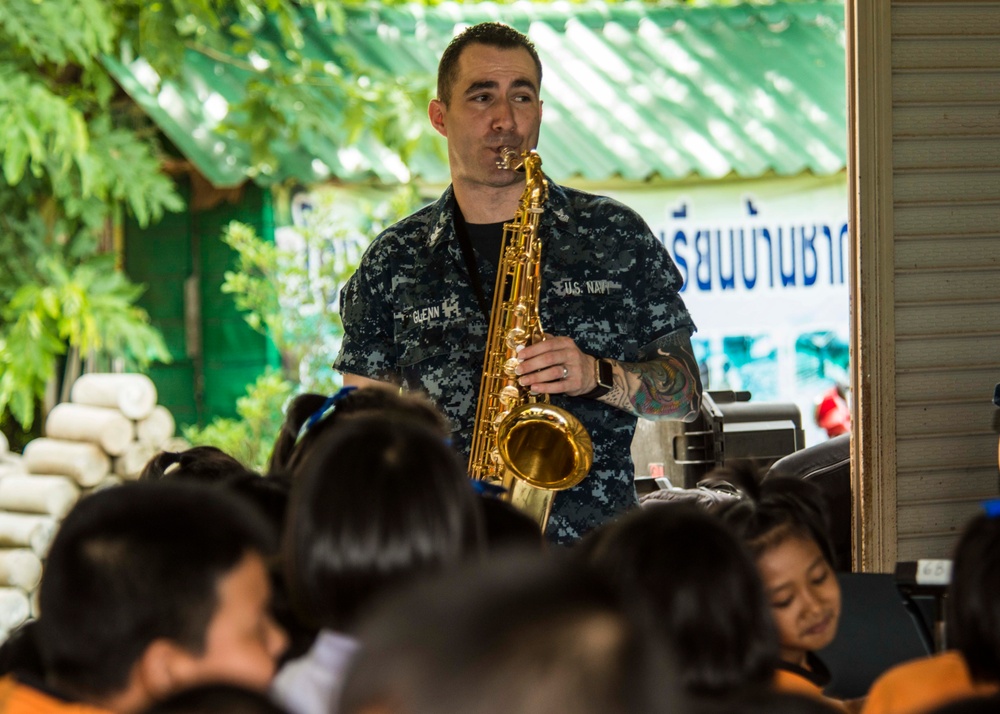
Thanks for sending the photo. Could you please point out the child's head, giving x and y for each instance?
(375, 501)
(704, 589)
(974, 598)
(206, 464)
(783, 522)
(311, 416)
(150, 587)
(216, 699)
(516, 633)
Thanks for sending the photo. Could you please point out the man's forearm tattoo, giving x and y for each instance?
(665, 387)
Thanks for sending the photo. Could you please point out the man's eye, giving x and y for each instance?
(781, 604)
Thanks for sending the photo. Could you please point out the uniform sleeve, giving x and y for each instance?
(366, 312)
(661, 310)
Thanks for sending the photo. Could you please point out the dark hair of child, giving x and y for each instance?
(520, 632)
(376, 499)
(306, 411)
(973, 603)
(773, 509)
(705, 591)
(132, 564)
(216, 699)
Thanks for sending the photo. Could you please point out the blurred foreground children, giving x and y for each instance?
(377, 500)
(707, 599)
(513, 635)
(149, 588)
(973, 666)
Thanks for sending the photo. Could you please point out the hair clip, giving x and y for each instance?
(324, 409)
(484, 488)
(992, 507)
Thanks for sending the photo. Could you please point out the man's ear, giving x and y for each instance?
(436, 111)
(163, 668)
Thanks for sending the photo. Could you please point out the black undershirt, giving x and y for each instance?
(486, 239)
(483, 241)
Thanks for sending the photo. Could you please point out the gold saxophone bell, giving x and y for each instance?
(545, 446)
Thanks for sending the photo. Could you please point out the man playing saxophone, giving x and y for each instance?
(417, 311)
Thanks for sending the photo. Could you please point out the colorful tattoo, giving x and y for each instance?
(667, 386)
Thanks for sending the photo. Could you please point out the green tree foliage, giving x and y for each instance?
(288, 292)
(75, 150)
(65, 162)
(259, 414)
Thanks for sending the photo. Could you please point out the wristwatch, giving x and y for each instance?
(604, 374)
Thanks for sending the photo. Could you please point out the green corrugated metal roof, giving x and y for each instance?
(631, 91)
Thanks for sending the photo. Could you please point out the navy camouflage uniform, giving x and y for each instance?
(411, 317)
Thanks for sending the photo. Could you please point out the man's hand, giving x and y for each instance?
(556, 366)
(664, 386)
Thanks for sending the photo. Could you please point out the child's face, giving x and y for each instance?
(243, 642)
(804, 594)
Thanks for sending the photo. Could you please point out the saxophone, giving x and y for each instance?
(520, 441)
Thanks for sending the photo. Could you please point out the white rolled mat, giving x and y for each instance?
(14, 608)
(35, 493)
(20, 568)
(156, 429)
(23, 530)
(85, 463)
(133, 394)
(106, 427)
(133, 460)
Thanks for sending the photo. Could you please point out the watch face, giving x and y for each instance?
(605, 374)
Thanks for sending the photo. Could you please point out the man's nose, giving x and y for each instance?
(503, 116)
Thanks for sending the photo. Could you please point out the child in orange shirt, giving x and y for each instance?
(783, 522)
(973, 667)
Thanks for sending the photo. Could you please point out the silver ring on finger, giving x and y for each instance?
(565, 372)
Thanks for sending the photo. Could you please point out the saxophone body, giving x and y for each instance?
(520, 440)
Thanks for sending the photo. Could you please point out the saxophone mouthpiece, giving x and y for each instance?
(509, 159)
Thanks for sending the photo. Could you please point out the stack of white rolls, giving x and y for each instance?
(105, 434)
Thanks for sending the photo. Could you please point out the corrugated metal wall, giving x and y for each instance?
(945, 76)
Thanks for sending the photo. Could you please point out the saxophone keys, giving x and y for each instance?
(510, 367)
(510, 396)
(516, 337)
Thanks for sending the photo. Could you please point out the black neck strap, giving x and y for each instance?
(471, 264)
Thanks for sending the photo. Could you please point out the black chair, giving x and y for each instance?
(879, 627)
(828, 465)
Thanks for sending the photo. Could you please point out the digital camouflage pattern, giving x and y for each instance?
(411, 317)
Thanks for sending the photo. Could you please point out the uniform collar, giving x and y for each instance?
(442, 216)
(442, 220)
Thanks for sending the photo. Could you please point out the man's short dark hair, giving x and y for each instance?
(491, 34)
(974, 598)
(524, 633)
(133, 564)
